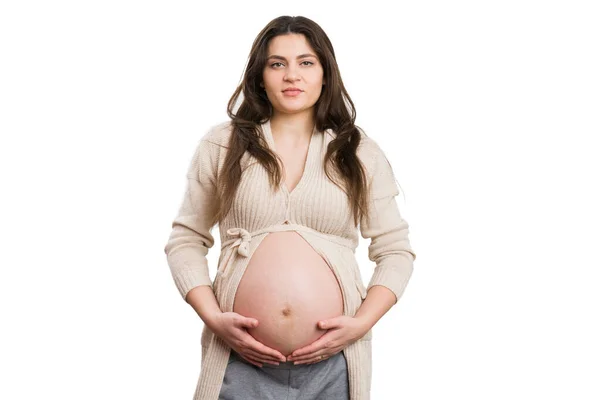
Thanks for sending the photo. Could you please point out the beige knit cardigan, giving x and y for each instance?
(316, 209)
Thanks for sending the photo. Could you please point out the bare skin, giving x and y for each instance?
(289, 288)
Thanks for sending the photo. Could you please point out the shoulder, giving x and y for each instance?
(218, 134)
(214, 140)
(367, 147)
(378, 167)
(369, 151)
(208, 152)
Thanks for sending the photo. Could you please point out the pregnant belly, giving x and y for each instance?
(288, 288)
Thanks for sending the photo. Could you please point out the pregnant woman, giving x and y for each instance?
(289, 180)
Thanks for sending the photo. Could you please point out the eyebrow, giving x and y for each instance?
(275, 56)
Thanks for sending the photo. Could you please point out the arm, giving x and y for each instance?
(389, 247)
(203, 301)
(190, 237)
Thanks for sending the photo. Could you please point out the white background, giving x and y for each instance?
(488, 112)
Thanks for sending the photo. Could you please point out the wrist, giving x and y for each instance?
(212, 320)
(364, 323)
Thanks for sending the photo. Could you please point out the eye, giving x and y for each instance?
(274, 65)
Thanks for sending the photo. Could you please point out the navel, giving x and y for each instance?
(286, 311)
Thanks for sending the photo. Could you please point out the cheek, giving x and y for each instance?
(317, 80)
(317, 87)
(269, 79)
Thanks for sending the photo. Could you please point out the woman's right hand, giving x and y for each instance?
(232, 328)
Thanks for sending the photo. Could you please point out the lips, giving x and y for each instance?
(292, 93)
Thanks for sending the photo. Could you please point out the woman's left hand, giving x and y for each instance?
(341, 332)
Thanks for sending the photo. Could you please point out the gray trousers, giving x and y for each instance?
(325, 380)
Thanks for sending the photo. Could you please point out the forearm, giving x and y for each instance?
(379, 300)
(203, 301)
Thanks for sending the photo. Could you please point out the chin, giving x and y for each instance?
(298, 108)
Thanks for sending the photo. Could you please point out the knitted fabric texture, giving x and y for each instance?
(316, 209)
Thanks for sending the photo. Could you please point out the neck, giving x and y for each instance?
(293, 127)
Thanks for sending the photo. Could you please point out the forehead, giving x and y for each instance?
(289, 46)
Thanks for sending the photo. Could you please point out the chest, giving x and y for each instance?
(305, 196)
(293, 165)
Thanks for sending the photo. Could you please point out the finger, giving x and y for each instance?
(247, 322)
(311, 360)
(264, 351)
(307, 358)
(262, 357)
(267, 351)
(317, 346)
(326, 352)
(251, 360)
(261, 360)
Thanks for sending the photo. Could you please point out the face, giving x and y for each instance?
(292, 62)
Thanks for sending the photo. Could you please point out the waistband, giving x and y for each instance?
(242, 237)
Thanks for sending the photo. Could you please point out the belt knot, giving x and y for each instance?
(243, 241)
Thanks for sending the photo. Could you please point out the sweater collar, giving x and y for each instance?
(311, 165)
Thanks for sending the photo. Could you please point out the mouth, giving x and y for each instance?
(292, 92)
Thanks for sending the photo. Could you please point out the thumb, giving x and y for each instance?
(250, 323)
(329, 323)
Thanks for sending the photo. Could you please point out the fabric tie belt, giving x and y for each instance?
(243, 240)
(242, 237)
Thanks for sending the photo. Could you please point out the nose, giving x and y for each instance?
(291, 74)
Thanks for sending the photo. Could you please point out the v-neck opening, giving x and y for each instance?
(307, 162)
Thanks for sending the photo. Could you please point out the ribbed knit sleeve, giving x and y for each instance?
(191, 236)
(389, 247)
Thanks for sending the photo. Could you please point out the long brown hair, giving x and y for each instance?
(333, 110)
